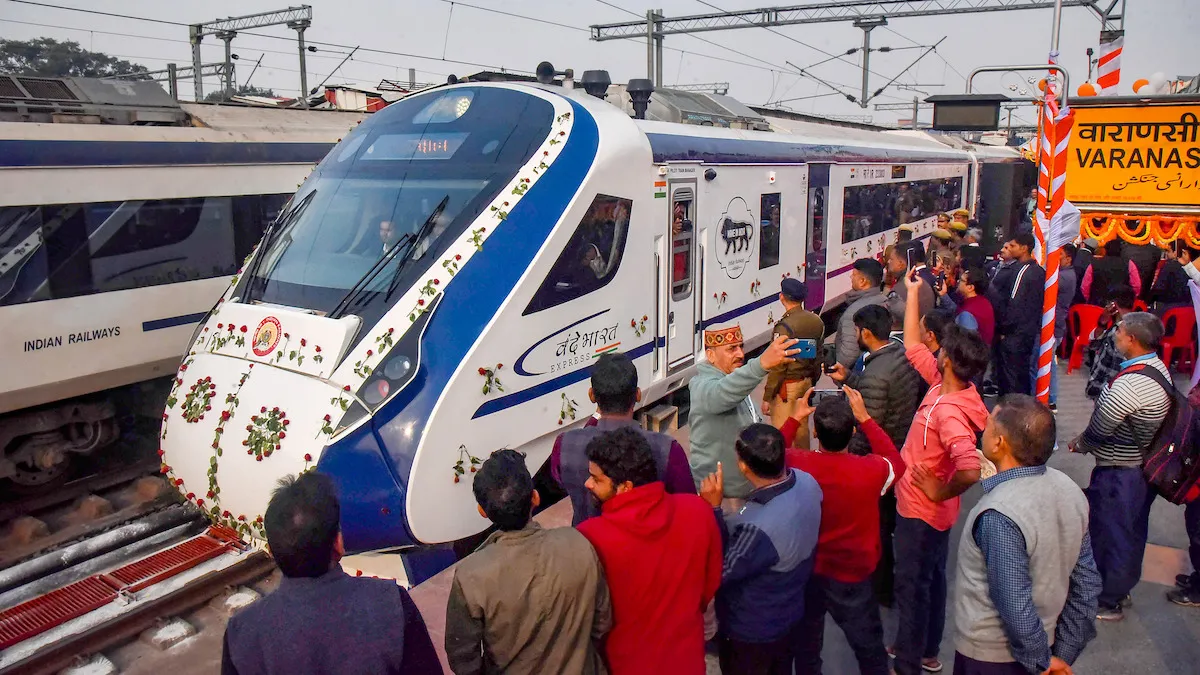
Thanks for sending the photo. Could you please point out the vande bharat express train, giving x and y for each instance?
(122, 215)
(439, 286)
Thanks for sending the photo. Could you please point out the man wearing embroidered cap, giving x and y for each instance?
(788, 383)
(721, 405)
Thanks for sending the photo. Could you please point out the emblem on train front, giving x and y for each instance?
(266, 336)
(736, 230)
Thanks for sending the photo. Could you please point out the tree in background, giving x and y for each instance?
(51, 58)
(242, 90)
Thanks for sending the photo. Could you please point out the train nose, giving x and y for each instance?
(241, 416)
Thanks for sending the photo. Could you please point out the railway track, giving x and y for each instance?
(102, 611)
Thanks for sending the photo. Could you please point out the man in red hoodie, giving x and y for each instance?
(942, 460)
(848, 546)
(661, 554)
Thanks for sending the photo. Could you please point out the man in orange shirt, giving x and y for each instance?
(940, 452)
(661, 555)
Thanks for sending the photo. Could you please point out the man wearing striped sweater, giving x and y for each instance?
(1128, 414)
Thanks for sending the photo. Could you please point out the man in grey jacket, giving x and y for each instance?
(721, 405)
(865, 281)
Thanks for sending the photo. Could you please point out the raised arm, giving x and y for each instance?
(912, 309)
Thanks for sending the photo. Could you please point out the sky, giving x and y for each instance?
(439, 37)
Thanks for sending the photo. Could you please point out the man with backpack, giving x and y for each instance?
(1128, 415)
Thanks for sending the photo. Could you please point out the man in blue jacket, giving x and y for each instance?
(769, 555)
(320, 619)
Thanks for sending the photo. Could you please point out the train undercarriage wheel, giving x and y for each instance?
(27, 478)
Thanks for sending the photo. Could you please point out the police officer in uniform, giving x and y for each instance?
(790, 381)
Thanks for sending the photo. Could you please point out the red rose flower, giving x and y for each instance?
(303, 342)
(632, 323)
(286, 336)
(183, 367)
(243, 329)
(328, 418)
(436, 282)
(282, 435)
(275, 409)
(370, 353)
(499, 366)
(191, 496)
(258, 459)
(317, 349)
(457, 257)
(242, 518)
(164, 468)
(199, 502)
(483, 371)
(307, 457)
(161, 452)
(226, 514)
(421, 302)
(346, 388)
(211, 494)
(358, 573)
(220, 325)
(286, 422)
(483, 229)
(390, 330)
(263, 409)
(225, 415)
(644, 317)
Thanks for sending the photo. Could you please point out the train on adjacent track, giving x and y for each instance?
(122, 215)
(440, 284)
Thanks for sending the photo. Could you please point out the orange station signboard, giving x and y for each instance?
(1135, 155)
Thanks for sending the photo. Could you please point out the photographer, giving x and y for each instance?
(848, 550)
(1108, 360)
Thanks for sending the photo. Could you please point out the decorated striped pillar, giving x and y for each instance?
(1052, 180)
(1108, 67)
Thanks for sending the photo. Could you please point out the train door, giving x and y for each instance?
(814, 258)
(681, 274)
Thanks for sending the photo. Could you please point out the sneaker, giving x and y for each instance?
(1125, 602)
(1188, 597)
(928, 665)
(1054, 408)
(1110, 613)
(1186, 580)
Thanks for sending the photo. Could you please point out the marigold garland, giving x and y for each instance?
(1162, 230)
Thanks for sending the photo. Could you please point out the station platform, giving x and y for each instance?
(1155, 636)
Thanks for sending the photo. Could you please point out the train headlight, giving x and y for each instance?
(461, 105)
(445, 108)
(376, 391)
(397, 367)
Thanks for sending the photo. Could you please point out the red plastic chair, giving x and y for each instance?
(1081, 322)
(1140, 306)
(1180, 324)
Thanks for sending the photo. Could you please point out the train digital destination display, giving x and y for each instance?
(409, 147)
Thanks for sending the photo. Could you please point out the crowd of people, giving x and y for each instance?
(743, 543)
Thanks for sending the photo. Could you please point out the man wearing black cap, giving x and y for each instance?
(789, 381)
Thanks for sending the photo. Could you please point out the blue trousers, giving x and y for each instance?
(920, 592)
(1119, 499)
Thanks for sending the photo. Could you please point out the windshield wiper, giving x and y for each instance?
(422, 233)
(284, 220)
(409, 240)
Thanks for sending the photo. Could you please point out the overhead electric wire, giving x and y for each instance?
(939, 54)
(275, 37)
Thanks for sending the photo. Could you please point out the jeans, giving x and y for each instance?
(854, 609)
(885, 573)
(759, 658)
(1033, 368)
(920, 592)
(1119, 499)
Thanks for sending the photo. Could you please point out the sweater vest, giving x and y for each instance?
(980, 308)
(1108, 273)
(1052, 514)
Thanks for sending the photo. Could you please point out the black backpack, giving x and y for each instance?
(1172, 462)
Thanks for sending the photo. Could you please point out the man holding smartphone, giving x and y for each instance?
(788, 382)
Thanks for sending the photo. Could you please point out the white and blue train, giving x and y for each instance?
(439, 286)
(122, 215)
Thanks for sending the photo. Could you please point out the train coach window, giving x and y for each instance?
(68, 250)
(870, 209)
(592, 256)
(768, 242)
(682, 238)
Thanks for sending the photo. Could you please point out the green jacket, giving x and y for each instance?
(721, 408)
(799, 323)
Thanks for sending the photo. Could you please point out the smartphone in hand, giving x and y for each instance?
(828, 357)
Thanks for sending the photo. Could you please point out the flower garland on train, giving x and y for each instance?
(1161, 230)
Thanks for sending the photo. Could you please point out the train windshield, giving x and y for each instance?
(392, 196)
